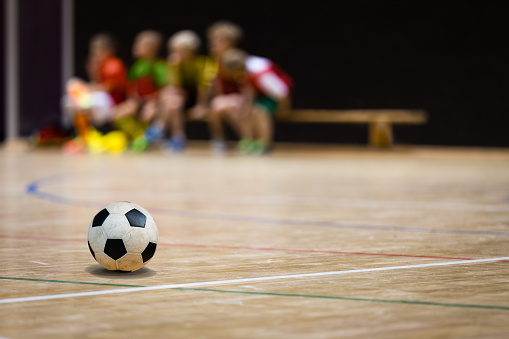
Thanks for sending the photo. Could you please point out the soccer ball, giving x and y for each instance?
(123, 236)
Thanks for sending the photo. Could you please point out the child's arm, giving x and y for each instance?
(273, 86)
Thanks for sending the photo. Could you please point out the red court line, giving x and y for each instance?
(23, 237)
(247, 248)
(310, 251)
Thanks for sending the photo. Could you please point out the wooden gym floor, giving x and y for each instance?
(308, 242)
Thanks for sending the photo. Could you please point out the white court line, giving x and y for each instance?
(234, 281)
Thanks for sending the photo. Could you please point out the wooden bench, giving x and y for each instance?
(380, 121)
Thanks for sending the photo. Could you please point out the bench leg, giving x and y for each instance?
(380, 134)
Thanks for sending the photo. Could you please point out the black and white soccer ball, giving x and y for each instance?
(123, 236)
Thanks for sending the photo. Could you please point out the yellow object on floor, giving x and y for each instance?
(114, 142)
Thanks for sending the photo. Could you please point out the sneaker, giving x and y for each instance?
(176, 144)
(153, 133)
(218, 146)
(245, 146)
(139, 144)
(259, 147)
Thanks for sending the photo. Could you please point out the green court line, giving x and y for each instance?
(505, 308)
(71, 282)
(425, 303)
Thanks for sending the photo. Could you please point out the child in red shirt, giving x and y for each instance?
(257, 88)
(90, 104)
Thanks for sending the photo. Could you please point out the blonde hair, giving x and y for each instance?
(186, 39)
(234, 60)
(227, 30)
(106, 40)
(154, 36)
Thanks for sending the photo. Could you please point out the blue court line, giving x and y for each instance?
(33, 188)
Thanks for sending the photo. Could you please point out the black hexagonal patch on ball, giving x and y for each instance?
(90, 248)
(148, 253)
(136, 218)
(100, 217)
(115, 248)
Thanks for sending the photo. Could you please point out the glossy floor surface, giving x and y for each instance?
(307, 242)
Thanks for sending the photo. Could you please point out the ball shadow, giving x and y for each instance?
(102, 272)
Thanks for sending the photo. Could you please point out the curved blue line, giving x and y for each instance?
(33, 188)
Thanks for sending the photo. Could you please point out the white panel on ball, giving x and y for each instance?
(130, 262)
(116, 226)
(96, 238)
(136, 240)
(121, 207)
(105, 261)
(151, 229)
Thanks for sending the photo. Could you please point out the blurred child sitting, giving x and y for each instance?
(222, 36)
(147, 76)
(189, 80)
(90, 105)
(262, 89)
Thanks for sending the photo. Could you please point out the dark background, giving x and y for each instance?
(447, 57)
(40, 63)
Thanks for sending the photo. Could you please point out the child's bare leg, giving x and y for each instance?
(171, 114)
(224, 108)
(128, 107)
(171, 117)
(247, 128)
(216, 124)
(177, 142)
(176, 122)
(264, 125)
(261, 131)
(243, 125)
(149, 111)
